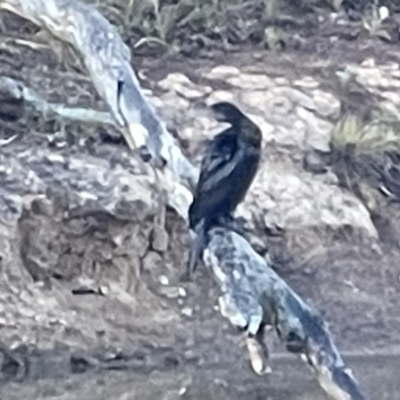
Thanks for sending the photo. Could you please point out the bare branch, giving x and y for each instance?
(16, 93)
(16, 99)
(253, 294)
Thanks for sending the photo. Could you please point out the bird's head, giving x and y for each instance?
(224, 111)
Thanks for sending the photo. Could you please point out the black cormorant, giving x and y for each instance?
(228, 168)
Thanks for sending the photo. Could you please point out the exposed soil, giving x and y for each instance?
(224, 381)
(203, 355)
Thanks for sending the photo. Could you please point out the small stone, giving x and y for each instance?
(179, 83)
(326, 104)
(164, 280)
(307, 82)
(177, 101)
(187, 311)
(281, 81)
(236, 275)
(318, 134)
(85, 285)
(369, 63)
(314, 163)
(42, 206)
(251, 81)
(383, 13)
(104, 290)
(159, 239)
(221, 382)
(222, 71)
(171, 292)
(154, 264)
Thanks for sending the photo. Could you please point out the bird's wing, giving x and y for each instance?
(216, 161)
(216, 164)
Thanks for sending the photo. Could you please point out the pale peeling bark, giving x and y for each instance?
(252, 293)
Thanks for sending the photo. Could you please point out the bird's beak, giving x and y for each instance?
(218, 116)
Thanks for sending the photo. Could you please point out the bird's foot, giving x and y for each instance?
(295, 343)
(186, 277)
(230, 223)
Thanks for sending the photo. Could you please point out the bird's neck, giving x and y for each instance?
(249, 132)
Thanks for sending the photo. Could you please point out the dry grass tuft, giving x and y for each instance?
(370, 137)
(367, 153)
(180, 24)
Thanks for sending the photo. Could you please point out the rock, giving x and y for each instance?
(86, 286)
(187, 311)
(307, 82)
(171, 292)
(159, 239)
(222, 71)
(318, 134)
(295, 96)
(315, 162)
(251, 81)
(282, 81)
(164, 280)
(182, 85)
(75, 222)
(219, 95)
(294, 200)
(172, 98)
(326, 104)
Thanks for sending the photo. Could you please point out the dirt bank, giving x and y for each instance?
(90, 266)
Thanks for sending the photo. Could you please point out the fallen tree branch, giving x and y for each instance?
(16, 93)
(16, 99)
(253, 293)
(107, 60)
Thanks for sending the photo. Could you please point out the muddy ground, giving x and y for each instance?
(168, 336)
(379, 378)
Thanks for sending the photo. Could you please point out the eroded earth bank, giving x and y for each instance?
(90, 257)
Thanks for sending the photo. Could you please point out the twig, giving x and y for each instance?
(253, 294)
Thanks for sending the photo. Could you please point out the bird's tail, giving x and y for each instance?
(196, 248)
